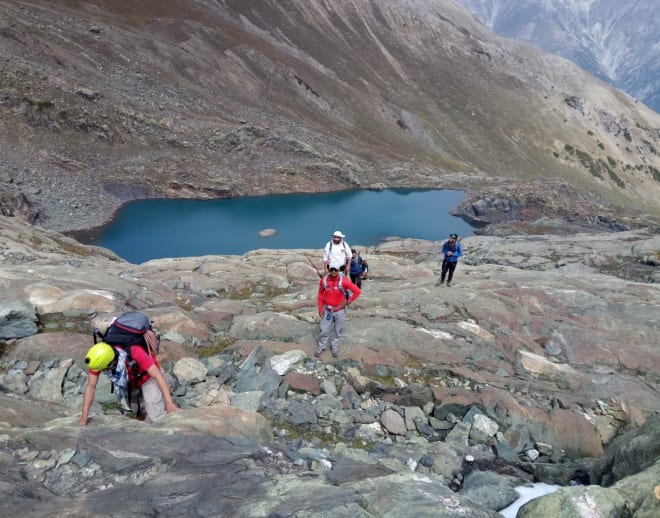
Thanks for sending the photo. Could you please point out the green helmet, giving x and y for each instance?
(100, 356)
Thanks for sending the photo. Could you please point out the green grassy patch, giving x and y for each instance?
(39, 105)
(250, 289)
(588, 162)
(206, 351)
(314, 433)
(614, 177)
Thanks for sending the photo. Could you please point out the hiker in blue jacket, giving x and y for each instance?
(451, 251)
(358, 268)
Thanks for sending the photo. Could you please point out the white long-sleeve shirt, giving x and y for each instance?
(335, 255)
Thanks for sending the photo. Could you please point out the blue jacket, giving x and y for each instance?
(357, 265)
(456, 250)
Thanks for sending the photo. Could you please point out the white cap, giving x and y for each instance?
(337, 233)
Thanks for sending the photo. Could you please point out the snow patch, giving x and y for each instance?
(527, 493)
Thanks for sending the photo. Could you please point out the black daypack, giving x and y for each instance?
(128, 329)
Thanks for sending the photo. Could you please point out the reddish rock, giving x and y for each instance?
(572, 432)
(46, 346)
(303, 383)
(458, 396)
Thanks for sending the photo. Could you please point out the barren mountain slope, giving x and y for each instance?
(616, 41)
(227, 98)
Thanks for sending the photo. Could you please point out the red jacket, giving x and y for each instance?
(331, 295)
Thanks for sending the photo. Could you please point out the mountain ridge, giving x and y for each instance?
(615, 41)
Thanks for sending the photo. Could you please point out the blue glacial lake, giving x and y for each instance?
(151, 229)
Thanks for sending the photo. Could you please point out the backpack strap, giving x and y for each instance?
(341, 284)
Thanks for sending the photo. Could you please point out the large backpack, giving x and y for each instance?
(123, 332)
(128, 329)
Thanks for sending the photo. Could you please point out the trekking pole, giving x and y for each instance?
(315, 268)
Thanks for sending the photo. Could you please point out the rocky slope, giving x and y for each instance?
(615, 41)
(104, 102)
(532, 364)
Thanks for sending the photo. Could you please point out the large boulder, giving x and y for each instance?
(629, 454)
(17, 319)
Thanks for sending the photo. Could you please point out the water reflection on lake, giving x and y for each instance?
(149, 229)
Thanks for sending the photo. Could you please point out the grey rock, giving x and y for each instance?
(506, 452)
(570, 502)
(16, 310)
(14, 381)
(250, 401)
(49, 386)
(329, 388)
(413, 415)
(361, 416)
(282, 363)
(17, 329)
(629, 454)
(190, 370)
(422, 426)
(491, 490)
(518, 437)
(255, 373)
(302, 412)
(325, 404)
(460, 434)
(369, 432)
(438, 424)
(484, 425)
(441, 412)
(393, 422)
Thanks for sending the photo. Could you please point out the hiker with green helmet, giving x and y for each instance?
(155, 392)
(451, 251)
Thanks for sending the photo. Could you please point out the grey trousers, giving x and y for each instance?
(336, 324)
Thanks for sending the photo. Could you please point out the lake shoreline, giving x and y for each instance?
(183, 228)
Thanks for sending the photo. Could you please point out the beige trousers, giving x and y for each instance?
(154, 404)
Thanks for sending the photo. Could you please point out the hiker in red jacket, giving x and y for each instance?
(336, 292)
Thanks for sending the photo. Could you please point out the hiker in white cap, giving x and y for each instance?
(337, 253)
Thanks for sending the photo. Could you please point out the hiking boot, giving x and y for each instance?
(448, 283)
(317, 354)
(335, 354)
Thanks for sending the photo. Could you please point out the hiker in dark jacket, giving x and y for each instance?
(451, 251)
(358, 268)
